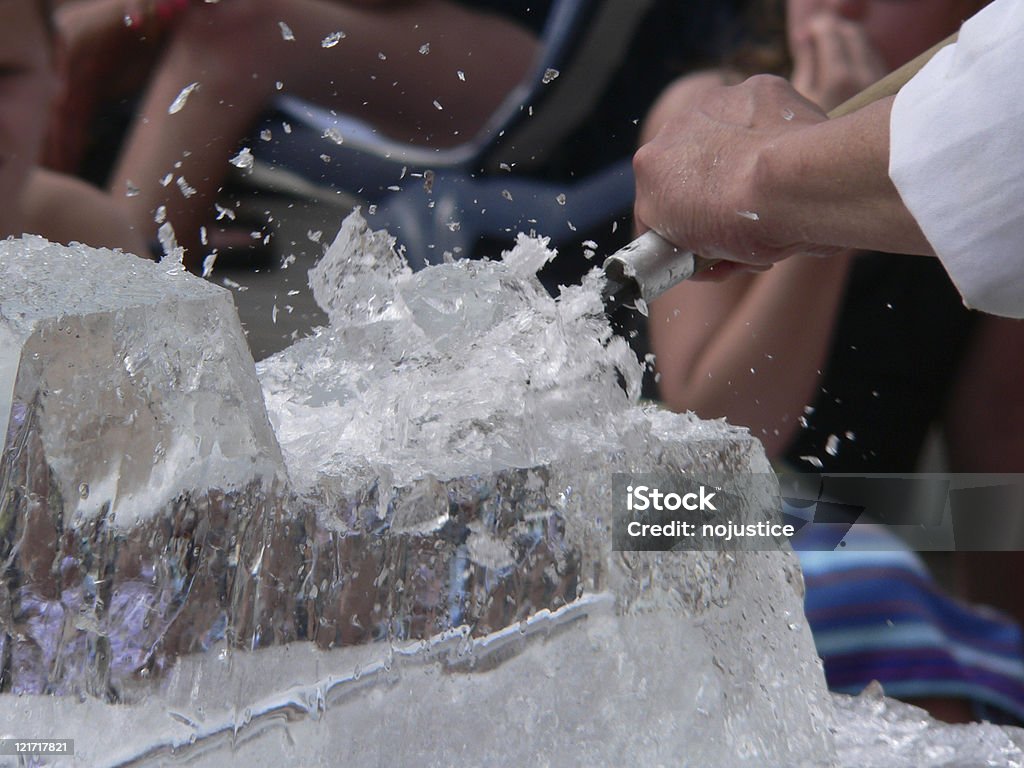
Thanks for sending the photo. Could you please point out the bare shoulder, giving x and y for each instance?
(64, 209)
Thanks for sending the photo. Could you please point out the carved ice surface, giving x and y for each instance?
(134, 437)
(470, 373)
(459, 369)
(138, 375)
(875, 732)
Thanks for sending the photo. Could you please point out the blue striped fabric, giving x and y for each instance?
(876, 614)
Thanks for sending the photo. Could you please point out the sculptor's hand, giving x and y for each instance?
(698, 180)
(834, 59)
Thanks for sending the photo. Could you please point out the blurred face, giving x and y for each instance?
(27, 85)
(899, 29)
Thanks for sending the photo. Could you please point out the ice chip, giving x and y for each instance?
(332, 39)
(425, 49)
(286, 31)
(529, 255)
(243, 159)
(181, 98)
(354, 280)
(223, 213)
(333, 134)
(832, 445)
(549, 75)
(208, 263)
(173, 252)
(186, 189)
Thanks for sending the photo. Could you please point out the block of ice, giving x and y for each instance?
(136, 445)
(419, 709)
(443, 557)
(137, 378)
(454, 433)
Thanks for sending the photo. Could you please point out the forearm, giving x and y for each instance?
(756, 173)
(829, 184)
(759, 365)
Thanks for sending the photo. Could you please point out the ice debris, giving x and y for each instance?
(461, 368)
(181, 98)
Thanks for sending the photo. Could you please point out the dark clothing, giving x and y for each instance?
(898, 342)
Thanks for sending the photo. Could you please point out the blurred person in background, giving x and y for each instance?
(843, 364)
(35, 200)
(821, 347)
(427, 72)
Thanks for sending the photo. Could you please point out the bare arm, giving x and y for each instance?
(831, 183)
(430, 72)
(751, 348)
(64, 209)
(984, 421)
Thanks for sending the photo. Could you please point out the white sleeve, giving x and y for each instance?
(957, 157)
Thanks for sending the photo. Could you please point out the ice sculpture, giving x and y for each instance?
(433, 583)
(135, 439)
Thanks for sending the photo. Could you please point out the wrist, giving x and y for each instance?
(775, 191)
(826, 186)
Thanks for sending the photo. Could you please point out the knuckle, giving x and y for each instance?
(640, 159)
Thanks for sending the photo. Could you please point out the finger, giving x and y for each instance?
(865, 61)
(833, 59)
(805, 65)
(723, 270)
